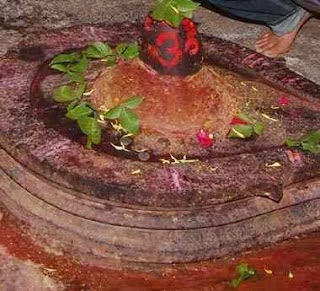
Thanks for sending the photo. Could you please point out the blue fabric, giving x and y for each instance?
(269, 12)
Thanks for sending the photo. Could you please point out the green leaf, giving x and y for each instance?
(292, 143)
(60, 68)
(90, 127)
(173, 11)
(258, 128)
(80, 90)
(98, 50)
(81, 66)
(72, 104)
(129, 121)
(245, 272)
(309, 142)
(186, 5)
(64, 94)
(110, 60)
(245, 118)
(235, 283)
(313, 136)
(133, 102)
(241, 131)
(114, 113)
(128, 51)
(65, 58)
(76, 77)
(79, 111)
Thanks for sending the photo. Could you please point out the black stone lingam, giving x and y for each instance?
(170, 50)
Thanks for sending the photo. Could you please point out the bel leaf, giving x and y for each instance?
(128, 51)
(245, 118)
(90, 127)
(79, 111)
(186, 5)
(292, 143)
(60, 68)
(110, 60)
(173, 11)
(98, 50)
(245, 272)
(309, 142)
(114, 113)
(80, 90)
(81, 66)
(76, 77)
(241, 131)
(129, 121)
(133, 102)
(258, 128)
(64, 94)
(65, 58)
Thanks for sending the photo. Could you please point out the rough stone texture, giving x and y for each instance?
(61, 13)
(20, 276)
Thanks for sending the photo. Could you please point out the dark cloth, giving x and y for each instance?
(312, 5)
(270, 12)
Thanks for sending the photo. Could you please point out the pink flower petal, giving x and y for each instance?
(204, 139)
(294, 157)
(283, 100)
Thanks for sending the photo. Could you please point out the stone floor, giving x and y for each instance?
(18, 18)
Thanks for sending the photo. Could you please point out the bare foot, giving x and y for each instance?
(273, 45)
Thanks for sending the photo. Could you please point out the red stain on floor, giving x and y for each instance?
(300, 257)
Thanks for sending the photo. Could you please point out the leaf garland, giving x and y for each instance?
(174, 11)
(88, 119)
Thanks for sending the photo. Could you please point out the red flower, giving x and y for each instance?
(204, 139)
(238, 120)
(283, 100)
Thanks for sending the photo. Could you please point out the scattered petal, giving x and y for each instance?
(204, 139)
(88, 93)
(254, 88)
(290, 275)
(120, 148)
(283, 100)
(269, 118)
(294, 157)
(136, 172)
(274, 165)
(238, 120)
(243, 84)
(267, 271)
(274, 107)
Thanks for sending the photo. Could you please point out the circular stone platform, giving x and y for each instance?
(93, 202)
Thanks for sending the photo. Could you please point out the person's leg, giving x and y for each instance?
(284, 17)
(281, 37)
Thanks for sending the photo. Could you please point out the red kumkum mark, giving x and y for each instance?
(174, 50)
